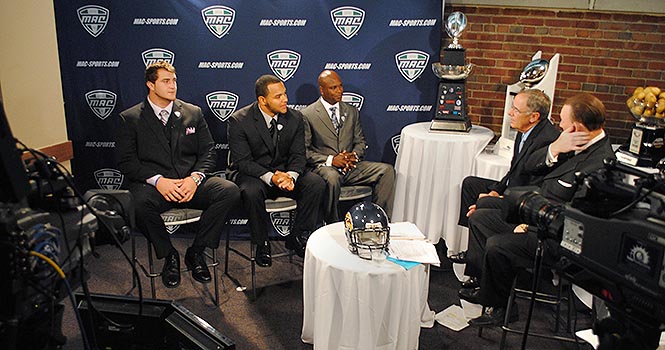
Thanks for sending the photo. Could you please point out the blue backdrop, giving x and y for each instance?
(382, 50)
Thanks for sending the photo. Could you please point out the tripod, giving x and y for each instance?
(534, 295)
(537, 266)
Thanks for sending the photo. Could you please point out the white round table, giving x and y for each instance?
(430, 168)
(351, 303)
(491, 166)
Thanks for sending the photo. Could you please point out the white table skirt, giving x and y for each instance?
(491, 166)
(430, 168)
(351, 303)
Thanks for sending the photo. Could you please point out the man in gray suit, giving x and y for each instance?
(336, 147)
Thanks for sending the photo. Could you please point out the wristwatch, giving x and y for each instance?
(197, 179)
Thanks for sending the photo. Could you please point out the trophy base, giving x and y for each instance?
(627, 157)
(450, 125)
(645, 148)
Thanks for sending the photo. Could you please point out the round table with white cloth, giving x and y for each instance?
(352, 303)
(430, 168)
(491, 166)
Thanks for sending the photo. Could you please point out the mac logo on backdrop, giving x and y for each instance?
(347, 20)
(411, 63)
(219, 19)
(284, 63)
(281, 221)
(395, 142)
(101, 102)
(222, 104)
(93, 18)
(356, 100)
(151, 56)
(109, 179)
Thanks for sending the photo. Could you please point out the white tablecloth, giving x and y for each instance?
(430, 168)
(491, 166)
(351, 303)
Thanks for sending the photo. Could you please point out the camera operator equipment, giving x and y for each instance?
(612, 244)
(44, 236)
(536, 211)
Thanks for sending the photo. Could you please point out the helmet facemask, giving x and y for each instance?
(367, 242)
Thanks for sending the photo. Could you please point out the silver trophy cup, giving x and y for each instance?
(455, 25)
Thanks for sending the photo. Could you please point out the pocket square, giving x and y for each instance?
(565, 184)
(190, 130)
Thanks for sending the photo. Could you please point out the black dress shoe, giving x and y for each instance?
(263, 257)
(494, 316)
(297, 243)
(472, 282)
(196, 263)
(171, 270)
(470, 295)
(459, 258)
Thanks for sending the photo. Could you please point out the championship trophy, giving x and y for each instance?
(450, 113)
(646, 146)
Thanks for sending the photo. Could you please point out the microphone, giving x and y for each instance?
(342, 119)
(177, 114)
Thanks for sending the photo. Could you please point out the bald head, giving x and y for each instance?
(330, 86)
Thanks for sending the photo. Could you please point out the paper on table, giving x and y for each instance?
(405, 230)
(414, 250)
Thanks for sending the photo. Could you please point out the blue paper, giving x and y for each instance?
(407, 265)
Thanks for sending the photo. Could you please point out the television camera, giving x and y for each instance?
(44, 235)
(612, 244)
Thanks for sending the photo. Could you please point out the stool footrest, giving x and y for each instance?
(542, 335)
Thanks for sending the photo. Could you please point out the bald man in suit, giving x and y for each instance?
(336, 148)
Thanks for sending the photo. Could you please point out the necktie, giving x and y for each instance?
(333, 118)
(519, 149)
(164, 116)
(273, 130)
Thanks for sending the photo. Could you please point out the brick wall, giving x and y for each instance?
(606, 54)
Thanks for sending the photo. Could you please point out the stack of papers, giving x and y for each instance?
(407, 243)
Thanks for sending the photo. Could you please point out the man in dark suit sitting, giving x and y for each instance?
(267, 145)
(529, 116)
(581, 147)
(165, 149)
(336, 147)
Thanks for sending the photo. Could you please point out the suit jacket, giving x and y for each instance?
(144, 150)
(252, 150)
(321, 138)
(559, 185)
(519, 174)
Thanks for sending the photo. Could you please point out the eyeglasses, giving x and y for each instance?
(517, 110)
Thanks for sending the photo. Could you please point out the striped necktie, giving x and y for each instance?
(164, 116)
(333, 117)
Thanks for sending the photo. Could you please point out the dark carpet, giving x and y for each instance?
(274, 320)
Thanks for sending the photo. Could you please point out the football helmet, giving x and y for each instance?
(366, 228)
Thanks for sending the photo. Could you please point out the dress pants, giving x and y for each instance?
(505, 255)
(472, 187)
(487, 221)
(308, 192)
(380, 176)
(215, 196)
